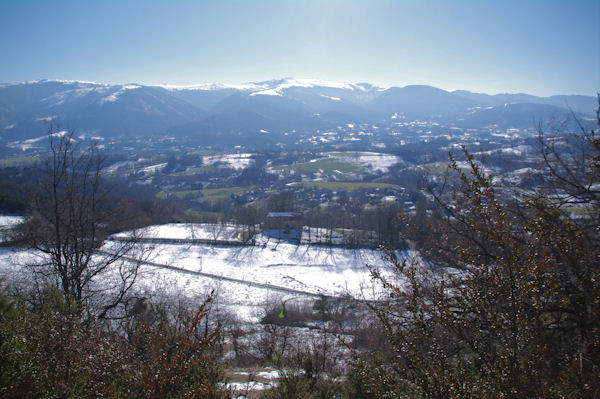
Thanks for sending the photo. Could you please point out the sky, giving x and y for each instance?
(541, 47)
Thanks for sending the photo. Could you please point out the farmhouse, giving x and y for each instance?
(284, 221)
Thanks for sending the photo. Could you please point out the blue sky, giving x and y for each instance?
(533, 46)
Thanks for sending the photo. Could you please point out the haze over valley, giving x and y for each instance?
(285, 112)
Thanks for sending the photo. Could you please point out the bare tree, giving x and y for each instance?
(68, 223)
(217, 229)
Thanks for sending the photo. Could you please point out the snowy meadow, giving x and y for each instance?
(245, 278)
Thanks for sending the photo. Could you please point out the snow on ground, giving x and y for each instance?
(277, 90)
(189, 231)
(153, 168)
(271, 375)
(464, 165)
(375, 161)
(119, 165)
(115, 95)
(70, 95)
(31, 143)
(318, 235)
(249, 386)
(331, 98)
(6, 223)
(519, 150)
(235, 161)
(216, 86)
(325, 270)
(522, 172)
(334, 271)
(253, 381)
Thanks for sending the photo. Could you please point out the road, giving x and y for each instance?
(236, 280)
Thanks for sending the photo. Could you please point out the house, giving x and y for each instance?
(284, 221)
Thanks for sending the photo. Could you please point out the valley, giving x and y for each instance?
(296, 216)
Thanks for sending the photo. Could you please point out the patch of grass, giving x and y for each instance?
(187, 193)
(209, 194)
(436, 167)
(349, 154)
(15, 161)
(199, 169)
(242, 374)
(580, 211)
(344, 186)
(226, 192)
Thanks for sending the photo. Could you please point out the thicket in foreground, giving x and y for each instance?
(512, 307)
(50, 353)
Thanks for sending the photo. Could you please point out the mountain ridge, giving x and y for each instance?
(278, 105)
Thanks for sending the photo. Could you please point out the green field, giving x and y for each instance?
(210, 194)
(347, 154)
(193, 171)
(16, 161)
(579, 210)
(326, 166)
(220, 193)
(347, 186)
(436, 167)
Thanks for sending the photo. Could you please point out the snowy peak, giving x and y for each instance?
(276, 87)
(114, 96)
(108, 110)
(214, 87)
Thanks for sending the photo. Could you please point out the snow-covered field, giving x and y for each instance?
(374, 161)
(6, 223)
(191, 231)
(313, 269)
(10, 220)
(334, 271)
(235, 161)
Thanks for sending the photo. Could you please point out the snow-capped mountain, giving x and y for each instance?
(101, 109)
(245, 111)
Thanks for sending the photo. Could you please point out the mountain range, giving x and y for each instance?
(256, 112)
